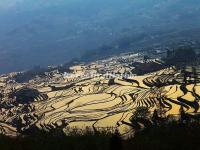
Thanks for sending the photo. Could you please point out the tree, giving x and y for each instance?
(195, 75)
(141, 116)
(155, 117)
(184, 75)
(141, 112)
(183, 116)
(116, 141)
(182, 56)
(145, 59)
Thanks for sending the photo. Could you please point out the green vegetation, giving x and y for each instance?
(30, 74)
(143, 68)
(169, 136)
(57, 141)
(164, 132)
(25, 95)
(181, 57)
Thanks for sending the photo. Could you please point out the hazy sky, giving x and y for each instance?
(9, 3)
(44, 32)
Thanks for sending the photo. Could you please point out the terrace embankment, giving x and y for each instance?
(59, 101)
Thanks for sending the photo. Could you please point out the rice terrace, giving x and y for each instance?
(99, 74)
(55, 100)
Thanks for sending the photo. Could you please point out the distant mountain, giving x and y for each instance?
(40, 32)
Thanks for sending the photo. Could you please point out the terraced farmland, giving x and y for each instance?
(103, 101)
